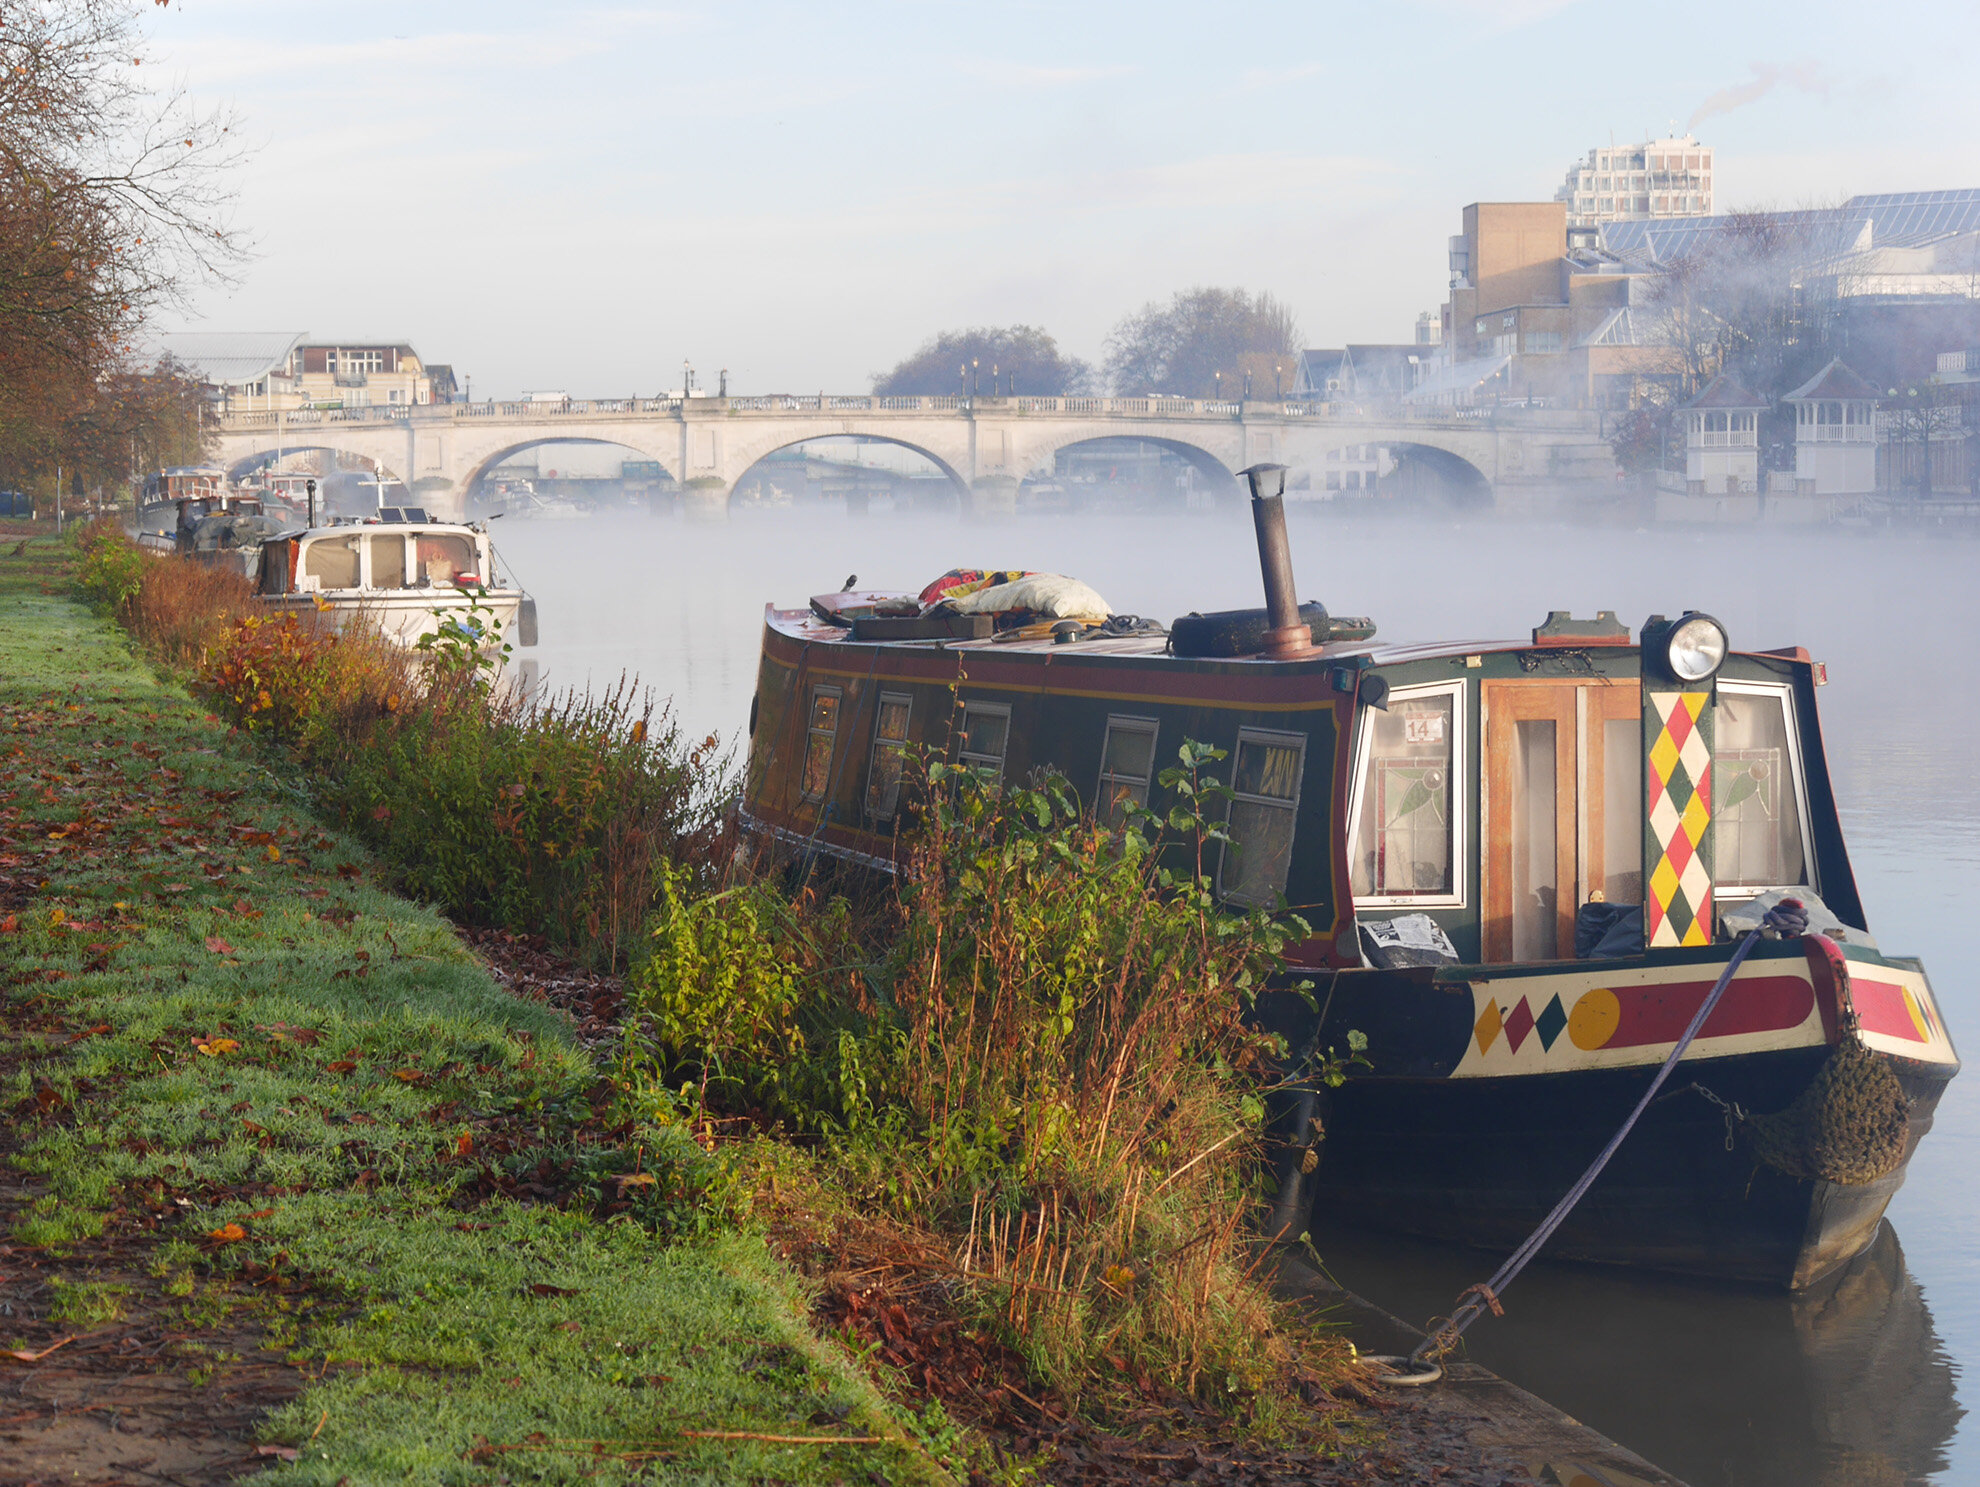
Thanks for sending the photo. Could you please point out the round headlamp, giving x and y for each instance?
(1695, 648)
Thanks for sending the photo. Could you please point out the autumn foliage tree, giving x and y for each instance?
(113, 203)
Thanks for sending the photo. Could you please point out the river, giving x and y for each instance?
(1861, 1384)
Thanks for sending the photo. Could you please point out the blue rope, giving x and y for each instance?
(1787, 919)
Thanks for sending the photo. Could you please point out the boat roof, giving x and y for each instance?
(804, 625)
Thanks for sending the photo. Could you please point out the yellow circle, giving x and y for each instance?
(1594, 1019)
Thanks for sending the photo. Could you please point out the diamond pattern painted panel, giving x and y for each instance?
(1678, 729)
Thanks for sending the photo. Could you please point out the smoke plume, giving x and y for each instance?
(1803, 76)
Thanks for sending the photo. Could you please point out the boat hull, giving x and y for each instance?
(1455, 1136)
(1481, 1164)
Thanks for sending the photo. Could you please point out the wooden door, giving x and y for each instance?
(1563, 810)
(1529, 855)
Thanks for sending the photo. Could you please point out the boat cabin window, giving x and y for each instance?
(441, 557)
(985, 733)
(388, 562)
(890, 732)
(1406, 805)
(1758, 840)
(332, 562)
(1265, 782)
(1127, 765)
(822, 733)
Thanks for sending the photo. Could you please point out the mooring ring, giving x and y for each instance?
(1402, 1371)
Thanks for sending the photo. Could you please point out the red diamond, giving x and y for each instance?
(1519, 1025)
(1680, 851)
(1680, 725)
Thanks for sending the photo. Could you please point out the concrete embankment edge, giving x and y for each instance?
(1492, 1413)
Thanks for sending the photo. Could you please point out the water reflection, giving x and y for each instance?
(1847, 1385)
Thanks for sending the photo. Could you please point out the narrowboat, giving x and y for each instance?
(1525, 863)
(396, 570)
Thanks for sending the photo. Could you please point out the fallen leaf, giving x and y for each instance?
(10, 925)
(410, 1076)
(262, 1213)
(544, 1288)
(274, 853)
(569, 1327)
(227, 1234)
(24, 1356)
(214, 1047)
(463, 1145)
(341, 1066)
(286, 1453)
(636, 1180)
(218, 946)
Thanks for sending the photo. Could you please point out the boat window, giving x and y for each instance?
(1536, 887)
(332, 562)
(1127, 764)
(1756, 791)
(1265, 781)
(890, 731)
(443, 556)
(1406, 805)
(388, 562)
(986, 729)
(822, 733)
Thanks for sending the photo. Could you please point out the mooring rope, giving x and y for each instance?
(1787, 918)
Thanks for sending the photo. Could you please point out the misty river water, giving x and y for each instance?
(1860, 1383)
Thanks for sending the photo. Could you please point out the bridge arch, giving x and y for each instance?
(1218, 480)
(1415, 466)
(757, 456)
(483, 462)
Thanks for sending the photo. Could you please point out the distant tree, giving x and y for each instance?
(1181, 347)
(1638, 439)
(1023, 357)
(1914, 418)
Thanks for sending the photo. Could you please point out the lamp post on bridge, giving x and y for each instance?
(1247, 385)
(1278, 381)
(1217, 380)
(962, 380)
(975, 377)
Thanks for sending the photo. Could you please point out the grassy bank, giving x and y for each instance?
(271, 1113)
(1005, 1115)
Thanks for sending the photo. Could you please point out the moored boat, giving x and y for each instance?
(398, 571)
(1526, 863)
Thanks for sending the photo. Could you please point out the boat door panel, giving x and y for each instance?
(1563, 767)
(1529, 856)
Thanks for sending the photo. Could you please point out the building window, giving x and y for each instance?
(821, 734)
(1407, 812)
(890, 732)
(1127, 764)
(1543, 342)
(1265, 782)
(985, 733)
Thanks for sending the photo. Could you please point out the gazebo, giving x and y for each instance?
(1722, 439)
(1835, 433)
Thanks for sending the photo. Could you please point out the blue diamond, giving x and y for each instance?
(1550, 1022)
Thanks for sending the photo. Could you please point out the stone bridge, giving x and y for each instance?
(985, 445)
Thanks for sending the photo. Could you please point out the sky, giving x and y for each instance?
(583, 197)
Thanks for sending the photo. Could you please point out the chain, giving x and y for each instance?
(1732, 1110)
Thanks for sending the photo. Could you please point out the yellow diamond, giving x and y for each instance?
(1694, 703)
(1695, 935)
(1489, 1026)
(1697, 816)
(1664, 883)
(1663, 755)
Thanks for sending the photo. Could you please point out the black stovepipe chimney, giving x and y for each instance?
(1287, 637)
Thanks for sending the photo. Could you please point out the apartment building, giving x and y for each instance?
(1669, 177)
(282, 371)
